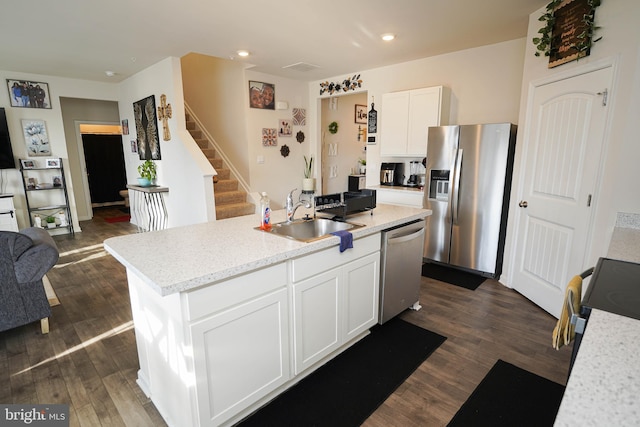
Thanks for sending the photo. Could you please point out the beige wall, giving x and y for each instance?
(349, 149)
(76, 111)
(214, 89)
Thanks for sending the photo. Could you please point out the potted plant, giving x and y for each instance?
(147, 172)
(363, 166)
(308, 183)
(51, 221)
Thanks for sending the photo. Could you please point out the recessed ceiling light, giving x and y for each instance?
(110, 73)
(388, 37)
(243, 53)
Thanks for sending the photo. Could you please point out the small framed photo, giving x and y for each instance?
(27, 164)
(361, 114)
(262, 95)
(32, 183)
(134, 146)
(57, 181)
(125, 126)
(52, 163)
(27, 94)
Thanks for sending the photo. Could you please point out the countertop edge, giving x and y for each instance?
(140, 267)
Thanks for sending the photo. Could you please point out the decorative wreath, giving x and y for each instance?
(333, 127)
(284, 150)
(300, 136)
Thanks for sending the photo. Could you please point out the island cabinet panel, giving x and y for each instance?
(361, 295)
(240, 356)
(334, 307)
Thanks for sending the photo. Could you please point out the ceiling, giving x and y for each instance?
(82, 39)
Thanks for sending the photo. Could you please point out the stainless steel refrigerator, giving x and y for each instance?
(468, 182)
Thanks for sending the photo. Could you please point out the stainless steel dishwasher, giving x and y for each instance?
(400, 269)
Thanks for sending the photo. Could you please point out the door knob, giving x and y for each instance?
(523, 204)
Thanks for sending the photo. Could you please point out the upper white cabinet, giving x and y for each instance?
(405, 117)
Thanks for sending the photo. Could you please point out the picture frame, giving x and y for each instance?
(144, 114)
(269, 137)
(57, 181)
(125, 126)
(360, 115)
(284, 127)
(52, 163)
(28, 94)
(262, 95)
(32, 183)
(27, 164)
(36, 138)
(134, 146)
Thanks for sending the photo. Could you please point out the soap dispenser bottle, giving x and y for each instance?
(265, 213)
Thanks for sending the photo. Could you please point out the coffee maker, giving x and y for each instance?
(391, 174)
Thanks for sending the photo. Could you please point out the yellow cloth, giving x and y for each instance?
(564, 331)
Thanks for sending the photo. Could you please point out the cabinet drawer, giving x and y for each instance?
(310, 265)
(216, 297)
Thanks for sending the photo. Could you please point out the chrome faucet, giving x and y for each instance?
(291, 207)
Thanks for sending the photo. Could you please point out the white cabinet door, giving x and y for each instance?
(424, 111)
(240, 355)
(8, 220)
(360, 294)
(316, 318)
(405, 117)
(333, 307)
(394, 123)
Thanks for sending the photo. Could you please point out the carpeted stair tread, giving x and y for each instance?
(234, 209)
(228, 197)
(225, 185)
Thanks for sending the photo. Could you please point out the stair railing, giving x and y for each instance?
(212, 142)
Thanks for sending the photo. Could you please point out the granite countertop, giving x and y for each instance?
(604, 385)
(183, 258)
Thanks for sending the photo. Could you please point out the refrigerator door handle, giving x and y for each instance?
(455, 190)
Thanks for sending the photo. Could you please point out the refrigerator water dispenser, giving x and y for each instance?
(439, 185)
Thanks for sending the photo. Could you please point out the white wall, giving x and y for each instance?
(618, 191)
(58, 87)
(278, 175)
(485, 85)
(183, 167)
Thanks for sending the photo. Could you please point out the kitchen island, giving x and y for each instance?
(604, 384)
(227, 317)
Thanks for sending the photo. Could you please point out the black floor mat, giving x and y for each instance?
(510, 396)
(349, 388)
(452, 276)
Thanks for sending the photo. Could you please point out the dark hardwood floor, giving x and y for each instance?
(89, 358)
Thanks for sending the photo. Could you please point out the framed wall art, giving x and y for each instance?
(28, 94)
(361, 114)
(284, 127)
(262, 95)
(144, 114)
(36, 138)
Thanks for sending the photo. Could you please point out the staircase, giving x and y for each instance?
(230, 200)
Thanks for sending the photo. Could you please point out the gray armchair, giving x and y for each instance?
(25, 258)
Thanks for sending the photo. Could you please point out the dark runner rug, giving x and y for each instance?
(510, 396)
(349, 388)
(452, 276)
(121, 218)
